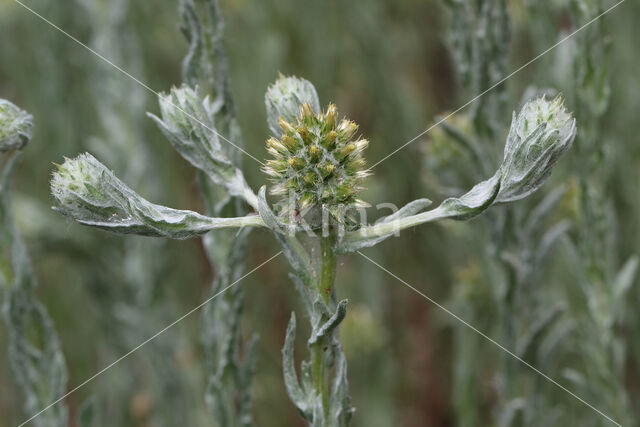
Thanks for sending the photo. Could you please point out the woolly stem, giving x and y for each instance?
(328, 265)
(325, 289)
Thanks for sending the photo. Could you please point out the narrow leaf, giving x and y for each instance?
(410, 208)
(326, 329)
(188, 123)
(625, 277)
(296, 394)
(293, 250)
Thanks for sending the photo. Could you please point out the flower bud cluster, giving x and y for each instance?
(16, 127)
(317, 161)
(540, 134)
(81, 188)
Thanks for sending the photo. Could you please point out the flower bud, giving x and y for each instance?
(330, 117)
(91, 194)
(347, 129)
(329, 140)
(314, 153)
(84, 188)
(278, 147)
(540, 134)
(188, 122)
(283, 100)
(16, 127)
(325, 168)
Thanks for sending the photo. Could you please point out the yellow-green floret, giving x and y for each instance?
(317, 162)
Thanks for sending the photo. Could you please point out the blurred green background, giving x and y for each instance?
(388, 66)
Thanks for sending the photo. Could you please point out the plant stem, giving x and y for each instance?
(325, 289)
(509, 326)
(328, 265)
(318, 373)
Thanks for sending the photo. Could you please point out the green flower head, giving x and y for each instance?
(317, 162)
(77, 186)
(16, 127)
(540, 134)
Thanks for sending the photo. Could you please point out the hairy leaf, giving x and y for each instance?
(293, 250)
(188, 123)
(91, 194)
(296, 394)
(325, 330)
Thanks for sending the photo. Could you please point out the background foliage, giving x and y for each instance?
(393, 67)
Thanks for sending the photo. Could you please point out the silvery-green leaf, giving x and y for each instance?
(625, 277)
(473, 203)
(543, 209)
(509, 413)
(221, 333)
(304, 291)
(468, 144)
(228, 344)
(192, 31)
(340, 404)
(16, 127)
(13, 257)
(291, 247)
(548, 240)
(284, 98)
(188, 123)
(231, 361)
(91, 194)
(205, 64)
(574, 377)
(355, 241)
(325, 330)
(36, 358)
(35, 355)
(320, 311)
(249, 368)
(87, 413)
(306, 378)
(410, 208)
(265, 211)
(296, 394)
(215, 400)
(317, 419)
(554, 339)
(480, 38)
(250, 363)
(528, 343)
(515, 262)
(207, 68)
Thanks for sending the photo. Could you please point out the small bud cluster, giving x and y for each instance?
(540, 134)
(317, 162)
(16, 127)
(560, 125)
(77, 184)
(88, 192)
(284, 98)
